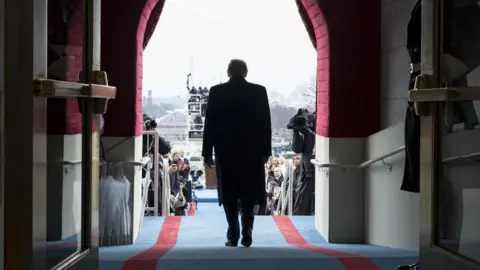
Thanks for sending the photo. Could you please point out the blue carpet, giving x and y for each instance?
(207, 195)
(209, 209)
(112, 258)
(200, 246)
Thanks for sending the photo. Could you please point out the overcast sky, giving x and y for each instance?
(201, 36)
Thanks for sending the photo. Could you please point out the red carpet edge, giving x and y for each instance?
(191, 208)
(294, 238)
(167, 238)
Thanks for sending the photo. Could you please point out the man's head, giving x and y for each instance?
(181, 153)
(271, 185)
(274, 161)
(150, 124)
(237, 68)
(277, 172)
(296, 161)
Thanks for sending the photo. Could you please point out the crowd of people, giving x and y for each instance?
(197, 102)
(178, 170)
(197, 106)
(282, 148)
(275, 176)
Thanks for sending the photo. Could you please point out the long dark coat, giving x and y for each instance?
(238, 128)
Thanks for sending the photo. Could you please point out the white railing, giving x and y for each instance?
(467, 156)
(165, 196)
(285, 200)
(365, 164)
(144, 163)
(165, 189)
(382, 158)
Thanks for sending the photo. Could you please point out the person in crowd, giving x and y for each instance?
(276, 194)
(249, 132)
(274, 161)
(183, 158)
(193, 91)
(271, 170)
(297, 162)
(149, 124)
(277, 176)
(198, 122)
(177, 185)
(269, 160)
(182, 167)
(271, 185)
(282, 163)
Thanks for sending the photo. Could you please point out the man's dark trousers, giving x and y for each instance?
(247, 217)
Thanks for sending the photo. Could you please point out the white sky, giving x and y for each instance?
(201, 36)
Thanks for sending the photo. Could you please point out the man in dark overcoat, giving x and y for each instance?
(238, 129)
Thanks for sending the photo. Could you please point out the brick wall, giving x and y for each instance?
(63, 114)
(348, 72)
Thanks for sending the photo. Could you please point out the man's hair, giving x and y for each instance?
(237, 67)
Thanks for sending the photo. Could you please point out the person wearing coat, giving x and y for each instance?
(238, 120)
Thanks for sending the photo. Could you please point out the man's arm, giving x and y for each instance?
(265, 123)
(209, 125)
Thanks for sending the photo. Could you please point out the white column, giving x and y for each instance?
(339, 194)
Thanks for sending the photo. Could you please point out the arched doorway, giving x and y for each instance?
(346, 36)
(347, 41)
(346, 60)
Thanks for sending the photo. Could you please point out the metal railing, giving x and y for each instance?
(165, 196)
(165, 189)
(144, 163)
(285, 200)
(466, 156)
(382, 158)
(365, 164)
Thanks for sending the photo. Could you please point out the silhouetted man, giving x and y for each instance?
(238, 121)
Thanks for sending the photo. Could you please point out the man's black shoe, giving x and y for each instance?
(230, 243)
(246, 241)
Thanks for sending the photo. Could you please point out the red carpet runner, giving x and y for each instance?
(167, 238)
(294, 238)
(191, 208)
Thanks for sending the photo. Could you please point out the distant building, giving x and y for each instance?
(149, 98)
